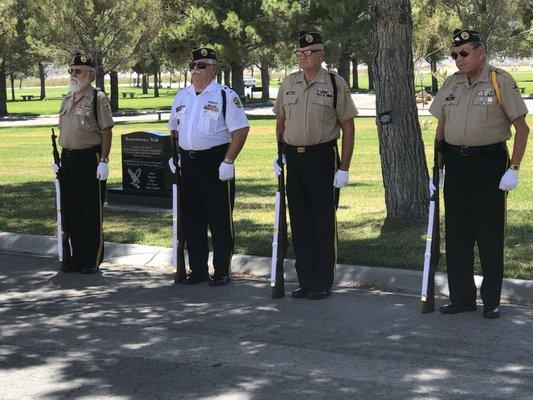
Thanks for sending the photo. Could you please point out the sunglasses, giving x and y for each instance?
(74, 71)
(200, 65)
(305, 53)
(463, 53)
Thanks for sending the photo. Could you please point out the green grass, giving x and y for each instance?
(27, 201)
(147, 102)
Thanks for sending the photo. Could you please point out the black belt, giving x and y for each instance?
(202, 153)
(466, 151)
(304, 149)
(71, 153)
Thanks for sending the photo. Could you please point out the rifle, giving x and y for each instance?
(432, 252)
(178, 226)
(63, 236)
(279, 241)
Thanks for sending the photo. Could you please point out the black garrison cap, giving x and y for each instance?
(462, 36)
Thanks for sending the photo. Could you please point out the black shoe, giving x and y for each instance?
(219, 281)
(193, 279)
(299, 293)
(70, 268)
(318, 295)
(89, 270)
(456, 308)
(491, 313)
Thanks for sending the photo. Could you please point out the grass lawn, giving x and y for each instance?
(148, 102)
(27, 201)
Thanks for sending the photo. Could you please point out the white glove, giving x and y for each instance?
(277, 168)
(226, 171)
(432, 187)
(341, 178)
(509, 180)
(102, 172)
(55, 168)
(171, 164)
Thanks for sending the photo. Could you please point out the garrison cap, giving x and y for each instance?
(462, 36)
(309, 38)
(204, 52)
(82, 60)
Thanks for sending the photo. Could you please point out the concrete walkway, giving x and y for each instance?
(129, 333)
(390, 279)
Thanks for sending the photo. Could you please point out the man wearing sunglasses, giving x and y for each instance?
(85, 123)
(312, 107)
(209, 121)
(476, 108)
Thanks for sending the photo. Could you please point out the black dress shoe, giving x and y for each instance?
(70, 268)
(219, 280)
(299, 293)
(491, 313)
(193, 279)
(318, 295)
(89, 270)
(456, 308)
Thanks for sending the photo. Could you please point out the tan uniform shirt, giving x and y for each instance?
(77, 122)
(471, 114)
(308, 108)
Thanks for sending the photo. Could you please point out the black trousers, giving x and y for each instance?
(84, 199)
(475, 213)
(313, 203)
(207, 203)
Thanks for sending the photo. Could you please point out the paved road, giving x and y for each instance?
(130, 334)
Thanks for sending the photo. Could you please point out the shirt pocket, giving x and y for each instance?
(206, 122)
(451, 109)
(289, 105)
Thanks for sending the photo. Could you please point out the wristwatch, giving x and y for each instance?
(514, 167)
(228, 161)
(104, 160)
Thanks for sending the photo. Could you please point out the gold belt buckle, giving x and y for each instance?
(300, 149)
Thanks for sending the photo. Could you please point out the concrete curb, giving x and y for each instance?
(390, 279)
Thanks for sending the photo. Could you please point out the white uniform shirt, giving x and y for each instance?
(199, 119)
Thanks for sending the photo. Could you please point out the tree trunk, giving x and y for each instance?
(265, 80)
(12, 81)
(403, 161)
(185, 75)
(42, 79)
(355, 74)
(219, 75)
(100, 75)
(156, 86)
(227, 73)
(159, 80)
(113, 81)
(145, 84)
(434, 80)
(237, 82)
(370, 76)
(344, 64)
(138, 83)
(3, 90)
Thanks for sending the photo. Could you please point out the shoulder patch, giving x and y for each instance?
(237, 102)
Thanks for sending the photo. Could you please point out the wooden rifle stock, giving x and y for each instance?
(432, 253)
(279, 242)
(63, 236)
(178, 226)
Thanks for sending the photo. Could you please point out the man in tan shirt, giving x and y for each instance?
(476, 108)
(85, 122)
(312, 107)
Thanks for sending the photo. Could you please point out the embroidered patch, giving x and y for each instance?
(237, 102)
(290, 93)
(179, 108)
(515, 87)
(450, 97)
(324, 92)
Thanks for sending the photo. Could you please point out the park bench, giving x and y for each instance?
(27, 97)
(159, 112)
(130, 94)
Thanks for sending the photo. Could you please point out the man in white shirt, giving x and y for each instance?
(209, 121)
